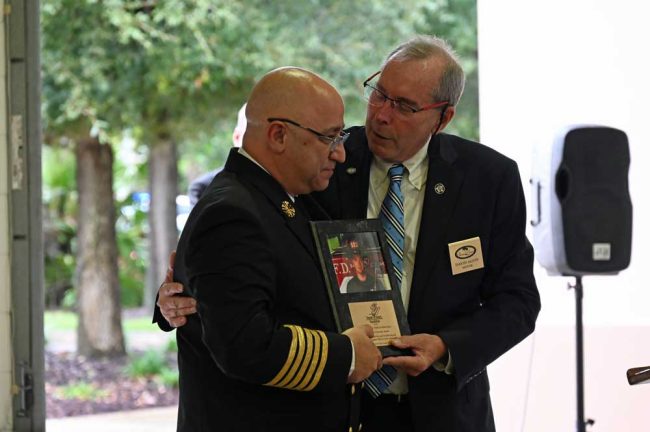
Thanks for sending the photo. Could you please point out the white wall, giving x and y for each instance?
(5, 328)
(543, 65)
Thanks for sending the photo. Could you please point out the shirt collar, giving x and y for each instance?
(247, 155)
(416, 167)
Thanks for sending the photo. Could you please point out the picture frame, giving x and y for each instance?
(360, 279)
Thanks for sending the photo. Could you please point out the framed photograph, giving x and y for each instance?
(360, 281)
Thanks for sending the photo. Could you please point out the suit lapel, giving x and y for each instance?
(437, 210)
(299, 226)
(295, 217)
(354, 178)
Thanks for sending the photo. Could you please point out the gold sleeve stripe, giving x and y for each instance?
(290, 357)
(298, 359)
(323, 361)
(314, 360)
(300, 373)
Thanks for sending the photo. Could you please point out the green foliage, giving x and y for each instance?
(131, 223)
(181, 69)
(456, 22)
(172, 346)
(152, 364)
(59, 223)
(61, 320)
(131, 244)
(69, 301)
(140, 324)
(205, 153)
(324, 36)
(146, 365)
(168, 377)
(81, 391)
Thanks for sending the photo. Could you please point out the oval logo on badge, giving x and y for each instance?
(465, 252)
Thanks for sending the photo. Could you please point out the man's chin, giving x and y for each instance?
(381, 149)
(321, 184)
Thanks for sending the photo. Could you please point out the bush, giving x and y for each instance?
(172, 346)
(152, 364)
(82, 391)
(146, 365)
(168, 377)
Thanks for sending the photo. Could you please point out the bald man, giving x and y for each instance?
(456, 194)
(262, 353)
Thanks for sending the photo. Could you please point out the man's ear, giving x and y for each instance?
(447, 115)
(277, 137)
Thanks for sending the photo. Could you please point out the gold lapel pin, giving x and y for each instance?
(288, 209)
(439, 188)
(351, 170)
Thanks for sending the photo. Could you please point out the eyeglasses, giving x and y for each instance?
(376, 97)
(332, 141)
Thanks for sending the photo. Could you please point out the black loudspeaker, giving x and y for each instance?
(583, 218)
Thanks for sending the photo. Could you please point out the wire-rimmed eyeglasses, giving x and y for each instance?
(376, 97)
(332, 141)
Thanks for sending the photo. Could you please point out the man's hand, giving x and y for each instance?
(367, 357)
(172, 307)
(426, 347)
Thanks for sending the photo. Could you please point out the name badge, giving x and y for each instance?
(465, 255)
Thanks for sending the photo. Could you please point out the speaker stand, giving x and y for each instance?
(580, 380)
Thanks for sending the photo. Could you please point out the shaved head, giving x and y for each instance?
(283, 148)
(291, 92)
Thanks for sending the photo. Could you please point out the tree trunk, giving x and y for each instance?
(163, 234)
(99, 330)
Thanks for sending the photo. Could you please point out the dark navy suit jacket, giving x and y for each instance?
(480, 314)
(247, 256)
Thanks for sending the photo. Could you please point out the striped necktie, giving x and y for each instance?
(392, 220)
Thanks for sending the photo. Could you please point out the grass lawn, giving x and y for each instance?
(67, 321)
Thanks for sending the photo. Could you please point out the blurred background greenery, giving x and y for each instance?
(156, 86)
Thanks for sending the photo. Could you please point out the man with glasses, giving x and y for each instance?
(466, 265)
(456, 229)
(263, 352)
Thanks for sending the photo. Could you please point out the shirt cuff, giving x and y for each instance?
(445, 364)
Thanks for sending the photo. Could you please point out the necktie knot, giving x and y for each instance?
(395, 173)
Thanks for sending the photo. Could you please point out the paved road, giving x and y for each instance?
(144, 420)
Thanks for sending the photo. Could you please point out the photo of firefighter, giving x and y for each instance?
(358, 263)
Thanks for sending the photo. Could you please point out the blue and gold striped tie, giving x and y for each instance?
(392, 219)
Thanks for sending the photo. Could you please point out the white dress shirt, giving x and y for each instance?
(413, 188)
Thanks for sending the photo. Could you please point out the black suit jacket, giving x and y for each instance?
(479, 314)
(248, 360)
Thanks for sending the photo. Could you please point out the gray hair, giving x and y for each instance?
(423, 47)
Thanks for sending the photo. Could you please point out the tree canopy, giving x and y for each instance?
(182, 68)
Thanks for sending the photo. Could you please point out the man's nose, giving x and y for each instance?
(385, 112)
(338, 154)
